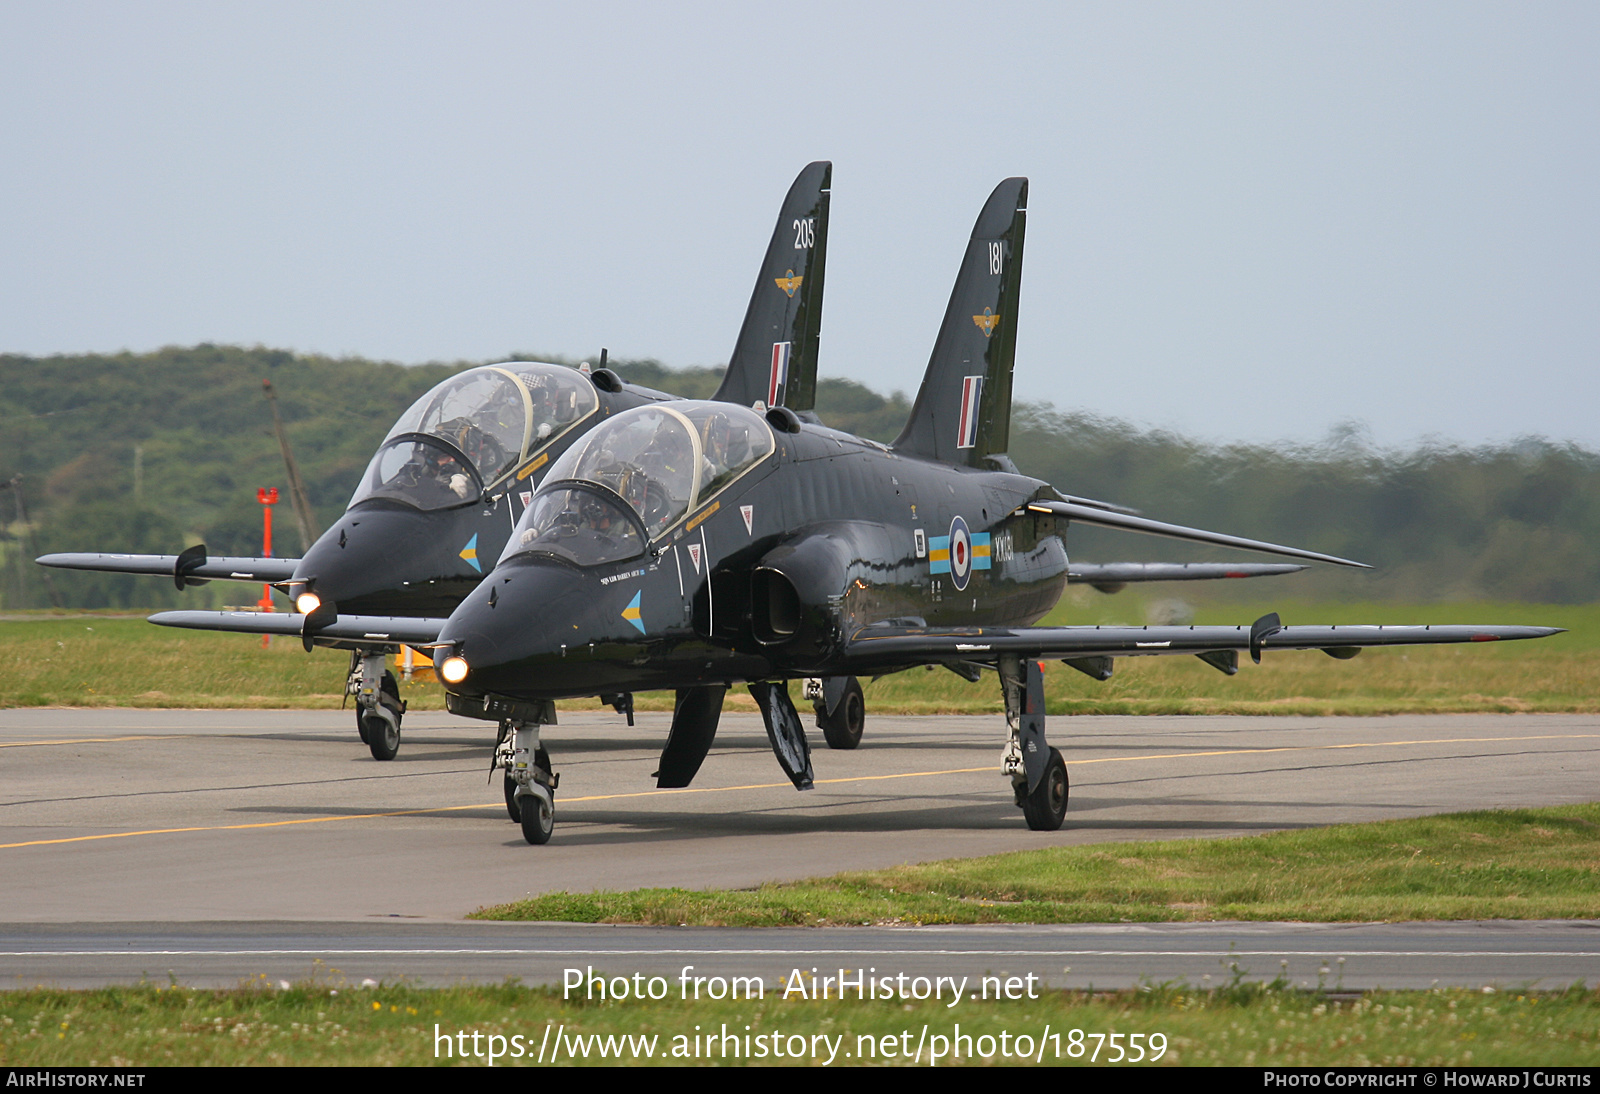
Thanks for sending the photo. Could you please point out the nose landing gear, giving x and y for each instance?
(529, 781)
(379, 707)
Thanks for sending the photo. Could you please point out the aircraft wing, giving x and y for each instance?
(196, 568)
(344, 628)
(1108, 577)
(884, 647)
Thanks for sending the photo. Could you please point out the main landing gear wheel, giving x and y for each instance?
(842, 729)
(361, 725)
(1046, 807)
(538, 819)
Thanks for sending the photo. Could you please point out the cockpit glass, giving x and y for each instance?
(420, 473)
(647, 455)
(733, 439)
(578, 524)
(498, 415)
(665, 459)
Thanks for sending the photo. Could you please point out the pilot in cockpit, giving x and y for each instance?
(725, 448)
(546, 409)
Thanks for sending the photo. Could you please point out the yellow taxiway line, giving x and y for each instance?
(90, 740)
(778, 786)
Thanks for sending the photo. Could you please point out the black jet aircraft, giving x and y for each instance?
(696, 545)
(455, 473)
(451, 479)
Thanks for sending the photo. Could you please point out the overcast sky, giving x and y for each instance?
(1245, 221)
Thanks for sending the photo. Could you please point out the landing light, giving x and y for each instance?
(453, 669)
(306, 603)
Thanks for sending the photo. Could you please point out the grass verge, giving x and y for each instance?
(103, 661)
(1511, 864)
(1248, 1024)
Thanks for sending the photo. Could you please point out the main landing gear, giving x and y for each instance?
(841, 709)
(529, 781)
(379, 707)
(1037, 771)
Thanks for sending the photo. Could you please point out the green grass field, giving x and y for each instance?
(1504, 864)
(122, 661)
(330, 1022)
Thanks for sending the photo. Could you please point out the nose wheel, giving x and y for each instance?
(379, 708)
(381, 730)
(538, 817)
(529, 781)
(511, 800)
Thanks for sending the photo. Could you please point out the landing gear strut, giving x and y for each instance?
(379, 707)
(530, 783)
(1037, 771)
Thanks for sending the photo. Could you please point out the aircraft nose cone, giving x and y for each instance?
(521, 630)
(393, 561)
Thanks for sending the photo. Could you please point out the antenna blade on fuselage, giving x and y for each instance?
(775, 356)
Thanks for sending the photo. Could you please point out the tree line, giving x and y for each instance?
(152, 452)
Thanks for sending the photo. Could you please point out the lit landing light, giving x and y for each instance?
(306, 603)
(453, 669)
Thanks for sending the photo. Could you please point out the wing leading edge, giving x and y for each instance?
(194, 567)
(885, 647)
(352, 629)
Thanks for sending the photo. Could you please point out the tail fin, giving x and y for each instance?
(963, 410)
(775, 359)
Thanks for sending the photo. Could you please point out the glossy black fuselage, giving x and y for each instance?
(829, 535)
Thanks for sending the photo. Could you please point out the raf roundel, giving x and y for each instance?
(960, 553)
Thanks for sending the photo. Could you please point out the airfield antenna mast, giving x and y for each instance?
(297, 489)
(268, 497)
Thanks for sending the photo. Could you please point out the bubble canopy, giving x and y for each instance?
(661, 462)
(474, 430)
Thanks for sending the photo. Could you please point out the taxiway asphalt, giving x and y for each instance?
(127, 825)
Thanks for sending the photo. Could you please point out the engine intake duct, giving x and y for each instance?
(795, 590)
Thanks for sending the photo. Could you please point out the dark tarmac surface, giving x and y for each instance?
(1352, 957)
(276, 837)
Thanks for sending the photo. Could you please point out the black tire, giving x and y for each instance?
(388, 686)
(538, 821)
(511, 800)
(383, 737)
(843, 729)
(1046, 807)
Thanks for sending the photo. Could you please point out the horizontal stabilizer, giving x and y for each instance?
(882, 647)
(344, 628)
(219, 567)
(1108, 577)
(1127, 522)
